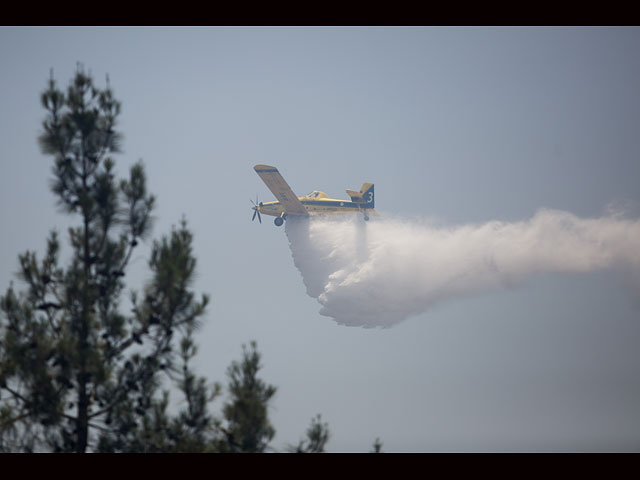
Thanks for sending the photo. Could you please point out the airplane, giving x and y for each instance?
(316, 202)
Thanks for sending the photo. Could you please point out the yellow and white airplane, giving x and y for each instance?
(316, 202)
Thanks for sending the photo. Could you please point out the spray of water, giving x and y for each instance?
(381, 272)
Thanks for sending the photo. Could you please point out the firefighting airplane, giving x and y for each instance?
(316, 202)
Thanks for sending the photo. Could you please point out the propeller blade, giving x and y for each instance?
(255, 210)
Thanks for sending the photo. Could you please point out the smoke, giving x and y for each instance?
(381, 272)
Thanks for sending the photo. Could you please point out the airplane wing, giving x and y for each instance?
(282, 191)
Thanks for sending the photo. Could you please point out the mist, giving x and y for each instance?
(381, 272)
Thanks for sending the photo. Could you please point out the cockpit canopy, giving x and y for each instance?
(317, 194)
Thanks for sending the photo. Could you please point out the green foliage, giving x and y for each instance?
(377, 446)
(317, 437)
(247, 428)
(142, 424)
(77, 374)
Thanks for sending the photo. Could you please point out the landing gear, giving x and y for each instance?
(278, 221)
(366, 218)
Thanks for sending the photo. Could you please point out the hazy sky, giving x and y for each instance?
(455, 125)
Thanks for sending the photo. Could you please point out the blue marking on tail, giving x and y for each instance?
(369, 197)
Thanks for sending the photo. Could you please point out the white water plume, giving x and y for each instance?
(380, 272)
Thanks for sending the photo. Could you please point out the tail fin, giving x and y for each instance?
(365, 196)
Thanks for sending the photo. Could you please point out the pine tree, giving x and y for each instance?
(317, 437)
(377, 446)
(247, 427)
(76, 373)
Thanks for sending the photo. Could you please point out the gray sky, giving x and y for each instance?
(462, 125)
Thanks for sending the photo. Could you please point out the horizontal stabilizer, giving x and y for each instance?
(355, 196)
(365, 196)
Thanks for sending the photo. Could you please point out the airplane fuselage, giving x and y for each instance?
(314, 206)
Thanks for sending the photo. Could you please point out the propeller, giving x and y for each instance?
(256, 209)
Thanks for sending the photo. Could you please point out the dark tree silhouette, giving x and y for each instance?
(76, 373)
